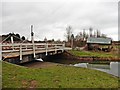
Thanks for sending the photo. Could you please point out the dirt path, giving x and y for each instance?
(38, 64)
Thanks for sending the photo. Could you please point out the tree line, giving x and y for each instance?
(16, 37)
(81, 37)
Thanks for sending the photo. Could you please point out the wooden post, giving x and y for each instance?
(55, 49)
(72, 43)
(26, 47)
(32, 37)
(20, 51)
(46, 46)
(72, 40)
(63, 47)
(34, 50)
(0, 51)
(12, 41)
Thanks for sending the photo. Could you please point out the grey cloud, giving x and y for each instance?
(49, 18)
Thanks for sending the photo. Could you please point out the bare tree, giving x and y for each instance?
(84, 34)
(72, 40)
(98, 33)
(80, 35)
(77, 37)
(103, 35)
(23, 38)
(90, 31)
(95, 33)
(68, 33)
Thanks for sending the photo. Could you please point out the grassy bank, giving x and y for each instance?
(56, 76)
(93, 54)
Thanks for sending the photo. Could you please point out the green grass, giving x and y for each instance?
(93, 54)
(59, 76)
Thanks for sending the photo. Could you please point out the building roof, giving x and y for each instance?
(99, 40)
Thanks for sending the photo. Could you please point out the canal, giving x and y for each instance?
(108, 67)
(112, 68)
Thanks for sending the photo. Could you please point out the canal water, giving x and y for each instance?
(112, 68)
(108, 67)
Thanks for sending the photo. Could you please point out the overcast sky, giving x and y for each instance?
(50, 19)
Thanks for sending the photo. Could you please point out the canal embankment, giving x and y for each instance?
(73, 57)
(90, 56)
(56, 72)
(55, 76)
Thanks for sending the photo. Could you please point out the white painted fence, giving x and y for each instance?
(26, 47)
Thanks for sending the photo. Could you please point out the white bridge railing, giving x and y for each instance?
(26, 47)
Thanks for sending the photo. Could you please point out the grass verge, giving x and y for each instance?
(93, 54)
(59, 76)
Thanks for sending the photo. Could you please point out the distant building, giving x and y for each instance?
(103, 44)
(93, 40)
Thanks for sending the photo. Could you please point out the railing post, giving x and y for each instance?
(34, 50)
(46, 46)
(20, 51)
(63, 47)
(55, 49)
(12, 42)
(26, 47)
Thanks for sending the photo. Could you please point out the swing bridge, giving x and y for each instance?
(22, 52)
(25, 51)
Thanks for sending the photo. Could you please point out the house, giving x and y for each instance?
(101, 44)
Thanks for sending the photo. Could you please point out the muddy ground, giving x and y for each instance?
(38, 64)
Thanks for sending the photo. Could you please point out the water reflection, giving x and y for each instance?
(113, 68)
